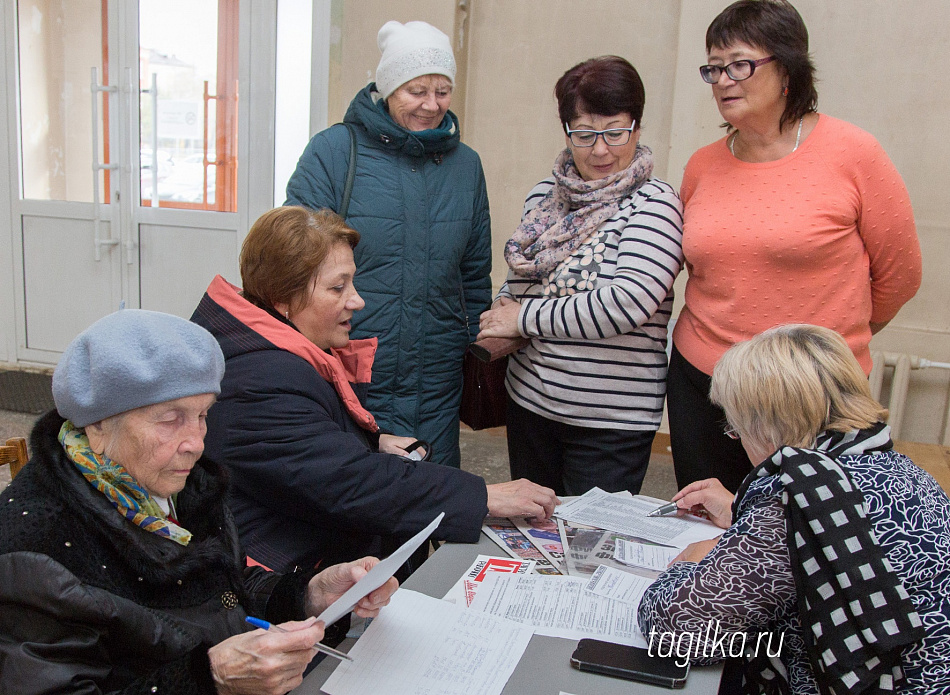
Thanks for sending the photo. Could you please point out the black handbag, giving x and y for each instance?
(484, 400)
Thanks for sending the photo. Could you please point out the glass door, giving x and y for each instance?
(188, 110)
(127, 138)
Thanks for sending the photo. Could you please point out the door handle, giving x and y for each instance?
(95, 89)
(134, 170)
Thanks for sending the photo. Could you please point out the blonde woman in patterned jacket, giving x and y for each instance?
(833, 570)
(590, 283)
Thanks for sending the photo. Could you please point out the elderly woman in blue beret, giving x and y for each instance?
(120, 569)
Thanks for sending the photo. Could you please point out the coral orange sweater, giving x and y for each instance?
(824, 235)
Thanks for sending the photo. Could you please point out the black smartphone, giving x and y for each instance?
(632, 663)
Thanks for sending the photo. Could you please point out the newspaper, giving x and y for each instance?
(463, 592)
(546, 538)
(504, 532)
(587, 548)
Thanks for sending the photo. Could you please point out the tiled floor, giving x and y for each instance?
(484, 453)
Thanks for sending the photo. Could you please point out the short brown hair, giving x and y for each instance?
(776, 27)
(283, 251)
(790, 383)
(604, 86)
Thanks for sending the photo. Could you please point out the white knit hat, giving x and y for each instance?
(409, 51)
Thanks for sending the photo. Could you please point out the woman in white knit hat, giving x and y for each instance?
(419, 202)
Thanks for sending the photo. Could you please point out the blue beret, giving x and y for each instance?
(131, 359)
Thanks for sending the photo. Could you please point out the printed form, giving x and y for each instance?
(651, 557)
(617, 584)
(559, 607)
(421, 645)
(629, 516)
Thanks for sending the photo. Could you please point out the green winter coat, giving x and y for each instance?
(421, 209)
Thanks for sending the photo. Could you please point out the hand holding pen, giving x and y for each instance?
(264, 663)
(264, 625)
(665, 510)
(707, 497)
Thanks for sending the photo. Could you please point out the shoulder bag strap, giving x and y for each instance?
(350, 172)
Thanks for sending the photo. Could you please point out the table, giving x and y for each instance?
(545, 667)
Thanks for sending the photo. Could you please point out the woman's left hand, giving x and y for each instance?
(391, 444)
(694, 552)
(332, 583)
(501, 321)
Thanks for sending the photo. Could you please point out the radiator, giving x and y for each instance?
(897, 403)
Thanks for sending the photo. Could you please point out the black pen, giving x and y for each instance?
(264, 625)
(665, 510)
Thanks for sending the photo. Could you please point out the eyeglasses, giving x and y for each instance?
(615, 137)
(731, 433)
(738, 71)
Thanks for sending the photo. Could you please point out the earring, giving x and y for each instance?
(785, 91)
(287, 314)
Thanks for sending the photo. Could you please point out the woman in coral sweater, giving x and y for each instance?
(793, 217)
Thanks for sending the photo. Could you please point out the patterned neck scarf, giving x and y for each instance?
(571, 211)
(856, 615)
(112, 480)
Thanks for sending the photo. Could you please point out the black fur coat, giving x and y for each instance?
(92, 603)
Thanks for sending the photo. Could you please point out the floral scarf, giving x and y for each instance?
(120, 488)
(570, 213)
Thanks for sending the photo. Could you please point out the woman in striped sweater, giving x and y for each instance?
(590, 283)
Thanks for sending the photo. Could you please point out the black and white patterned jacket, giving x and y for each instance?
(745, 584)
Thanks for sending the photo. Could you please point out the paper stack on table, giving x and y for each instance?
(424, 645)
(420, 644)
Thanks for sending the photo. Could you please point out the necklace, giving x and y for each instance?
(798, 138)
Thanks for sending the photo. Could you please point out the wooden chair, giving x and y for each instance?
(14, 453)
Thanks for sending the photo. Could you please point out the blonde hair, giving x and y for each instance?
(790, 383)
(283, 251)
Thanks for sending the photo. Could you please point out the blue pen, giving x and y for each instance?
(264, 625)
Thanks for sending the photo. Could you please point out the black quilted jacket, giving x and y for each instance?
(92, 603)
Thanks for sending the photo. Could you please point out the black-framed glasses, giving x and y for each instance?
(737, 71)
(731, 433)
(615, 137)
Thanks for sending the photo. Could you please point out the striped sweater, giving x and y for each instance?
(597, 357)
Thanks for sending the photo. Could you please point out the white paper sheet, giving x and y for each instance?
(628, 516)
(463, 593)
(377, 576)
(559, 607)
(652, 557)
(422, 645)
(617, 584)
